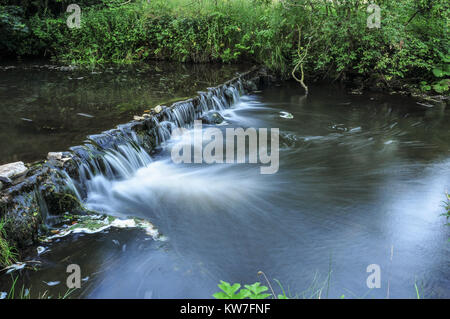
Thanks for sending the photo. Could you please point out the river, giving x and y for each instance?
(361, 181)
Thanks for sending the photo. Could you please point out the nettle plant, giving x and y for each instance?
(255, 291)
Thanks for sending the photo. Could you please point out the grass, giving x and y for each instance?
(8, 254)
(417, 291)
(25, 293)
(318, 289)
(257, 291)
(447, 206)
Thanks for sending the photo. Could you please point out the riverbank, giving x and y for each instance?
(326, 41)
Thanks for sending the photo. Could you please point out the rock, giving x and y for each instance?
(356, 92)
(212, 117)
(67, 68)
(158, 109)
(1, 186)
(5, 180)
(424, 104)
(250, 86)
(57, 156)
(138, 118)
(23, 216)
(13, 170)
(65, 159)
(229, 94)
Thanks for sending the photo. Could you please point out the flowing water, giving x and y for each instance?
(361, 181)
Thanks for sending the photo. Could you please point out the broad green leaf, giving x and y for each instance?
(438, 72)
(256, 288)
(229, 291)
(255, 291)
(221, 295)
(259, 296)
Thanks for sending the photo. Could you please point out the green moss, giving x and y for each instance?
(89, 224)
(8, 253)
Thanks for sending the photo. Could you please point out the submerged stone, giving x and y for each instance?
(250, 85)
(212, 117)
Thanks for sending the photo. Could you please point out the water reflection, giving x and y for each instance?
(45, 108)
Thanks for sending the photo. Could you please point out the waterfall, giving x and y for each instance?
(119, 153)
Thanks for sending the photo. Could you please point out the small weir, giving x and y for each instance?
(47, 190)
(119, 153)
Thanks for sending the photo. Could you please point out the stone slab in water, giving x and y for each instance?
(12, 170)
(54, 155)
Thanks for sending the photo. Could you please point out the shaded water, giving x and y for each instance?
(49, 108)
(359, 176)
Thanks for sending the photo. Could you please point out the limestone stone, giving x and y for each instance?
(158, 108)
(13, 170)
(138, 118)
(54, 156)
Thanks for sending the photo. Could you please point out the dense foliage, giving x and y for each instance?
(328, 39)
